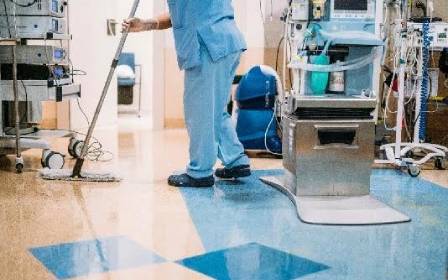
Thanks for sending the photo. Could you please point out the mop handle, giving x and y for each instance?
(80, 161)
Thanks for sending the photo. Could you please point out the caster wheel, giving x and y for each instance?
(75, 148)
(52, 160)
(414, 170)
(19, 165)
(71, 148)
(440, 163)
(410, 154)
(19, 168)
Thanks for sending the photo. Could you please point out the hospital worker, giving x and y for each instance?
(208, 45)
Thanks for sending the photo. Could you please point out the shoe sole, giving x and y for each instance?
(197, 185)
(243, 173)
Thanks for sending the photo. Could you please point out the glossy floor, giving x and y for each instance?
(143, 229)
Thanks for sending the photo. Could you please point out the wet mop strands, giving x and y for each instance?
(86, 176)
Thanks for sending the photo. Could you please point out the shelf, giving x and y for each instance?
(38, 90)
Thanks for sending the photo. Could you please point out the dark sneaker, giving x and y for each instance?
(184, 180)
(239, 171)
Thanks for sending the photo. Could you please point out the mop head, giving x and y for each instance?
(66, 175)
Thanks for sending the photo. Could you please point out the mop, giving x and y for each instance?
(77, 174)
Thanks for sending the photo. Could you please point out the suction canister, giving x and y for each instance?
(337, 79)
(337, 82)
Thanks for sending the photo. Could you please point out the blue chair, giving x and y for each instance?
(129, 60)
(129, 83)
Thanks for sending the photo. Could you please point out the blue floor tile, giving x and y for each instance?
(252, 261)
(246, 211)
(94, 256)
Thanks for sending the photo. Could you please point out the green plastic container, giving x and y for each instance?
(319, 80)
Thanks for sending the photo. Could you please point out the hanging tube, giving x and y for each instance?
(339, 67)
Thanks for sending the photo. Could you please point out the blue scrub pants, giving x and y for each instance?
(210, 128)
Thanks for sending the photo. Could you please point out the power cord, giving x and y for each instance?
(271, 13)
(95, 151)
(82, 111)
(278, 52)
(261, 11)
(7, 18)
(274, 116)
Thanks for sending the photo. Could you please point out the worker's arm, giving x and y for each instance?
(164, 21)
(160, 22)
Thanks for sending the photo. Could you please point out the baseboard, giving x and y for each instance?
(174, 123)
(49, 124)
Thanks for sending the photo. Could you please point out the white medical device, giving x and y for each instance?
(328, 116)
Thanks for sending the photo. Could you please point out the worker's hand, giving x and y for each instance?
(139, 25)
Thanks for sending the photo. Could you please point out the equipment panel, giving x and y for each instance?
(39, 91)
(31, 27)
(352, 9)
(438, 34)
(54, 8)
(48, 55)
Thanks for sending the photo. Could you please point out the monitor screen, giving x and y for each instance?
(351, 5)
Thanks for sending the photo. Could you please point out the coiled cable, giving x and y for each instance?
(425, 81)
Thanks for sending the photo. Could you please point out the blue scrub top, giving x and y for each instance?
(209, 23)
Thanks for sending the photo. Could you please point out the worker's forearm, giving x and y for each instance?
(163, 21)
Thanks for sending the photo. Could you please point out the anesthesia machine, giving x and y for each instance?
(334, 50)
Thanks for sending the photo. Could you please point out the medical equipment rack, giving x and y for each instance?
(32, 90)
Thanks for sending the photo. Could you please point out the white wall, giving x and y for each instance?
(92, 50)
(158, 82)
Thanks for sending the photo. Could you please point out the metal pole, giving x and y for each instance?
(401, 93)
(80, 161)
(16, 101)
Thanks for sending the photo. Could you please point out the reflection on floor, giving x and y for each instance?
(143, 229)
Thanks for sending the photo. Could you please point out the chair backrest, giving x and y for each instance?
(127, 59)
